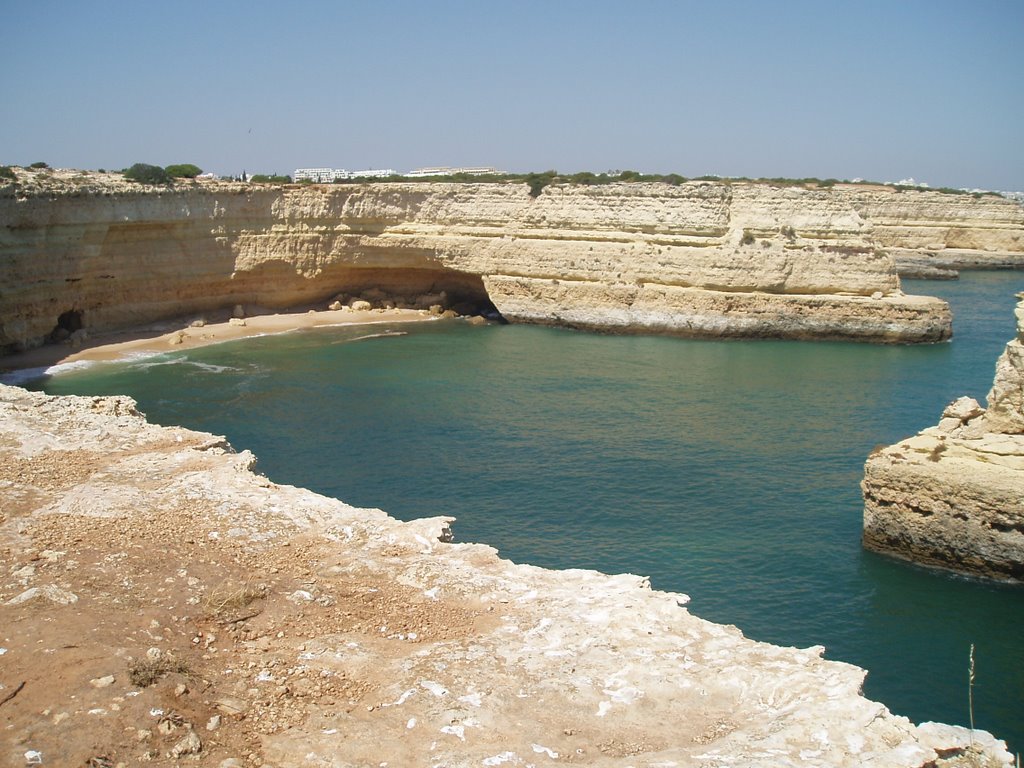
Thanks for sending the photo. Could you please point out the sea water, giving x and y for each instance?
(726, 470)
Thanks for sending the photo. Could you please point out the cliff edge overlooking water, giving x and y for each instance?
(953, 495)
(162, 601)
(91, 251)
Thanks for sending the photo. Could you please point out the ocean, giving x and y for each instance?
(725, 470)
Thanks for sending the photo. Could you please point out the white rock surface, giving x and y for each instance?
(491, 662)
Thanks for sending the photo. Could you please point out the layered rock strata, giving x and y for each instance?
(701, 258)
(163, 601)
(933, 234)
(953, 495)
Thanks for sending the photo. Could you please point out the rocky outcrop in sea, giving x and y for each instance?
(953, 495)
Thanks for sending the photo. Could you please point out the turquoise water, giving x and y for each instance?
(725, 470)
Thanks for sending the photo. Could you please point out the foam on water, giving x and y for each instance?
(149, 362)
(29, 375)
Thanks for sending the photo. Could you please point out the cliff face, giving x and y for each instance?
(953, 495)
(931, 232)
(697, 259)
(187, 606)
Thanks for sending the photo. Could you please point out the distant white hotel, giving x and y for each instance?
(445, 171)
(318, 175)
(329, 175)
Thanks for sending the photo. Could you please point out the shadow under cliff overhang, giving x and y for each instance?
(277, 284)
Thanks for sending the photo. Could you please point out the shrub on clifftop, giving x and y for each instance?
(537, 181)
(271, 178)
(183, 171)
(147, 174)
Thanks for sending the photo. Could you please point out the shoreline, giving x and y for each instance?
(180, 335)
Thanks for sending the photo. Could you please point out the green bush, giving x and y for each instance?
(183, 171)
(6, 172)
(39, 165)
(270, 178)
(147, 174)
(537, 181)
(748, 238)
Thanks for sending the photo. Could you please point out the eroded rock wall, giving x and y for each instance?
(931, 233)
(701, 258)
(953, 495)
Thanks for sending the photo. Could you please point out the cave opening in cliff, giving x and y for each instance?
(421, 288)
(67, 323)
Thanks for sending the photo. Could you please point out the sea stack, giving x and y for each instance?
(953, 495)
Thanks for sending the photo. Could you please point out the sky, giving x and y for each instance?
(876, 89)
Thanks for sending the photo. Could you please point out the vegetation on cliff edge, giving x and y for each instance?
(538, 181)
(147, 174)
(270, 178)
(183, 171)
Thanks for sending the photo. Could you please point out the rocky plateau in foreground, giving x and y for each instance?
(92, 252)
(162, 604)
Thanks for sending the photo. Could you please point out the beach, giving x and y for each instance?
(178, 335)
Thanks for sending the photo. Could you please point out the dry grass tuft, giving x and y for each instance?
(228, 598)
(145, 672)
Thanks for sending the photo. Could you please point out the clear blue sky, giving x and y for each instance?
(878, 89)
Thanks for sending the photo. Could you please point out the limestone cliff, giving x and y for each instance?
(932, 234)
(953, 495)
(701, 258)
(187, 607)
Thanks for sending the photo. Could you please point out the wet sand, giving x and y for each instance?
(179, 335)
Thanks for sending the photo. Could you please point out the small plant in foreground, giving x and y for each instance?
(229, 598)
(145, 672)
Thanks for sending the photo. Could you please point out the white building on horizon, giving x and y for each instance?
(319, 175)
(446, 171)
(330, 175)
(380, 173)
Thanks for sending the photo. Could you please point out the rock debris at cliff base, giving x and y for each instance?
(161, 602)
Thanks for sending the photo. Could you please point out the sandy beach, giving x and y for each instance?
(175, 335)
